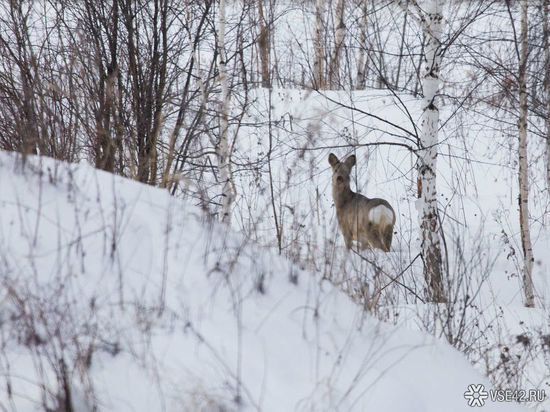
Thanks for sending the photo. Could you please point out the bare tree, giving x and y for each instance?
(36, 113)
(192, 99)
(430, 18)
(149, 49)
(318, 46)
(21, 83)
(403, 32)
(334, 70)
(223, 144)
(99, 62)
(362, 62)
(264, 44)
(523, 163)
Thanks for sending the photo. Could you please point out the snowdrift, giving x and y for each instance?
(117, 296)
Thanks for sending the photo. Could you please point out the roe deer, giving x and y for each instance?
(368, 221)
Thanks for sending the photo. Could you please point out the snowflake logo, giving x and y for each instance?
(476, 395)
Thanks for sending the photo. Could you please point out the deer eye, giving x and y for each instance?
(339, 179)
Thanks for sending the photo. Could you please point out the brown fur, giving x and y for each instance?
(352, 210)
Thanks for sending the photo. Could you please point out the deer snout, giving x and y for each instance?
(340, 179)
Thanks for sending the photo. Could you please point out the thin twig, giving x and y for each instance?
(393, 279)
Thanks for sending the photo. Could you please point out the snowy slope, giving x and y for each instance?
(136, 302)
(477, 187)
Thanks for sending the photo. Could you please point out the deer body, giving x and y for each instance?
(368, 221)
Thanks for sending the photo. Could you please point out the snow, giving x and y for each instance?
(152, 305)
(178, 312)
(476, 190)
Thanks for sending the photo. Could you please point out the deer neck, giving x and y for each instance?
(342, 197)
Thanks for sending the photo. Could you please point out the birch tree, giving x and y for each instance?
(340, 31)
(318, 64)
(523, 165)
(430, 19)
(222, 151)
(361, 62)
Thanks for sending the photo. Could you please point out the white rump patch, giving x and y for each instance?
(380, 213)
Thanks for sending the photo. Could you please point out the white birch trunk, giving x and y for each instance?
(338, 40)
(523, 166)
(223, 144)
(428, 213)
(318, 64)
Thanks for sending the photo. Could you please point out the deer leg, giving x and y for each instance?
(387, 237)
(372, 236)
(348, 239)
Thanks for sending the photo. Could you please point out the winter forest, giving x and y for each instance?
(175, 179)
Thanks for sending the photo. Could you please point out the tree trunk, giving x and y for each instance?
(28, 124)
(147, 72)
(523, 166)
(334, 71)
(107, 68)
(427, 162)
(264, 42)
(223, 145)
(361, 64)
(318, 65)
(400, 58)
(167, 180)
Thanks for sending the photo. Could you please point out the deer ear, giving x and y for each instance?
(333, 160)
(350, 161)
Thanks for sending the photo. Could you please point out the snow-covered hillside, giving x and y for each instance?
(123, 298)
(119, 296)
(485, 317)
